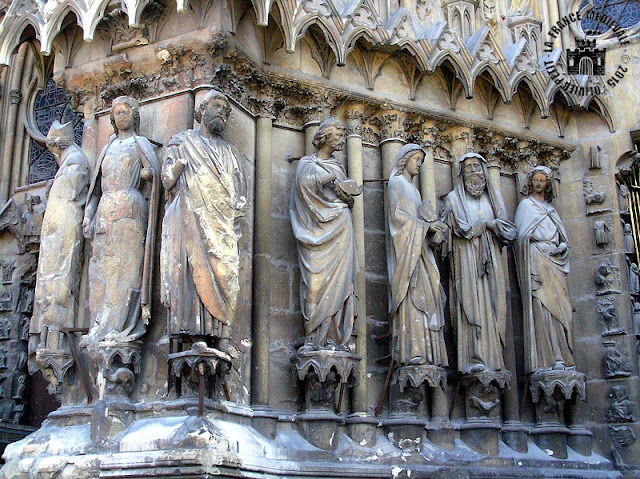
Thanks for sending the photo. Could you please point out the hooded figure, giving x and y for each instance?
(543, 265)
(475, 213)
(417, 298)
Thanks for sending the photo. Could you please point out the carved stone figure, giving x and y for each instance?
(417, 305)
(636, 317)
(200, 259)
(321, 198)
(61, 242)
(607, 278)
(121, 223)
(476, 214)
(614, 362)
(603, 234)
(595, 157)
(543, 265)
(634, 278)
(609, 317)
(629, 244)
(622, 408)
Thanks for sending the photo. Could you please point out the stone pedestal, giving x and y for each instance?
(482, 407)
(201, 366)
(324, 373)
(551, 432)
(117, 364)
(54, 363)
(514, 435)
(362, 428)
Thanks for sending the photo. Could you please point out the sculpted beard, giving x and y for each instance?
(475, 183)
(214, 123)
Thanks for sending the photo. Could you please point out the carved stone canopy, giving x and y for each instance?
(344, 363)
(564, 381)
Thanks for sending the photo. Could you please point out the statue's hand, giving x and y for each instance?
(562, 247)
(146, 174)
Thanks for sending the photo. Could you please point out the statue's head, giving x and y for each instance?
(213, 112)
(406, 153)
(125, 114)
(60, 137)
(540, 179)
(331, 130)
(472, 168)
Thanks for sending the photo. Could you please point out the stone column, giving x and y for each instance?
(310, 129)
(18, 156)
(15, 98)
(428, 170)
(361, 423)
(265, 423)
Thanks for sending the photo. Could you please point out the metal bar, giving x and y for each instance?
(385, 388)
(339, 405)
(169, 373)
(633, 209)
(68, 332)
(201, 390)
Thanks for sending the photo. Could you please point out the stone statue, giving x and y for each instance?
(121, 222)
(629, 244)
(321, 197)
(634, 278)
(476, 214)
(200, 260)
(602, 233)
(417, 297)
(543, 265)
(61, 243)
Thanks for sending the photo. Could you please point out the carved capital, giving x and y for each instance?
(15, 97)
(392, 125)
(355, 117)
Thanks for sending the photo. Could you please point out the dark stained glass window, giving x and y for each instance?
(626, 13)
(53, 103)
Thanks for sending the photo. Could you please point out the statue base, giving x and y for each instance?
(405, 431)
(362, 428)
(54, 363)
(557, 387)
(199, 366)
(323, 372)
(483, 390)
(514, 435)
(117, 364)
(552, 439)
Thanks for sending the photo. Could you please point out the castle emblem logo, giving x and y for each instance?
(586, 59)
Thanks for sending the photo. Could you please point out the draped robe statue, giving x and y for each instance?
(120, 218)
(543, 266)
(321, 219)
(417, 297)
(476, 215)
(61, 243)
(200, 259)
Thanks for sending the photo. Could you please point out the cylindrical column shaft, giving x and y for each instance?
(18, 142)
(355, 167)
(15, 98)
(310, 129)
(428, 178)
(262, 264)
